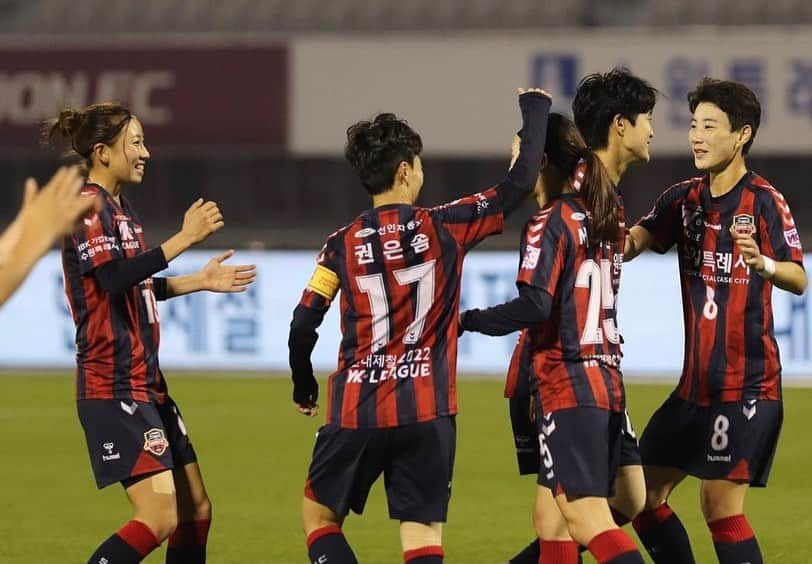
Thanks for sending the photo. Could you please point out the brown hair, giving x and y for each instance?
(564, 148)
(81, 130)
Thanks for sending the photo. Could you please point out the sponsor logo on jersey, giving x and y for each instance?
(365, 232)
(792, 238)
(744, 224)
(155, 441)
(578, 216)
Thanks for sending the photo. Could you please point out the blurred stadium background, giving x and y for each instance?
(246, 102)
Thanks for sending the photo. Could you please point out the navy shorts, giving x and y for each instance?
(417, 462)
(731, 441)
(130, 439)
(580, 450)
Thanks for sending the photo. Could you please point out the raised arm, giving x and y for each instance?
(521, 179)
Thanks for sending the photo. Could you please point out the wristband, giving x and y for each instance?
(769, 268)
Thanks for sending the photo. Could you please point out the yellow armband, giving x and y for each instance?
(324, 282)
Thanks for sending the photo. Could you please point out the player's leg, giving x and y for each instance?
(556, 546)
(630, 494)
(658, 527)
(187, 545)
(346, 462)
(325, 540)
(154, 519)
(722, 503)
(627, 502)
(667, 445)
(128, 444)
(590, 523)
(418, 473)
(422, 543)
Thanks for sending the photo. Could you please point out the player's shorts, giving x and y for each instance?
(130, 439)
(731, 441)
(417, 462)
(580, 450)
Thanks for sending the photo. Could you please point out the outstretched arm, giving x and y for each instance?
(214, 277)
(531, 308)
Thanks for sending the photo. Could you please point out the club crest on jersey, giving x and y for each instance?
(155, 441)
(744, 224)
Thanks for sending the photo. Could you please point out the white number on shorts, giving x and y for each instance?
(152, 305)
(711, 309)
(546, 456)
(601, 294)
(720, 428)
(372, 285)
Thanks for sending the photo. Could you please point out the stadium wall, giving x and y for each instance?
(249, 331)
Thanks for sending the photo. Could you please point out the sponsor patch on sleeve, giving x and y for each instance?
(324, 282)
(792, 238)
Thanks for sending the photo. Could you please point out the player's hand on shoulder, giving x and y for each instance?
(201, 220)
(305, 396)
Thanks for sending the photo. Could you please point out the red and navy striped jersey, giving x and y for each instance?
(398, 268)
(117, 335)
(575, 354)
(730, 349)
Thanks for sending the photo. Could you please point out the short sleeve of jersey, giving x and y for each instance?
(324, 284)
(471, 219)
(96, 242)
(664, 221)
(777, 231)
(544, 252)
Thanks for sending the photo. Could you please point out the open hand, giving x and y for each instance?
(227, 278)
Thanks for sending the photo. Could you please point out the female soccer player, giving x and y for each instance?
(736, 239)
(134, 431)
(392, 402)
(568, 279)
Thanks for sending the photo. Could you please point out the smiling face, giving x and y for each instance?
(714, 142)
(128, 154)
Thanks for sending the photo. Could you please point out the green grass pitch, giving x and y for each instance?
(254, 450)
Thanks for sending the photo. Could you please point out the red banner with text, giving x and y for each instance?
(184, 96)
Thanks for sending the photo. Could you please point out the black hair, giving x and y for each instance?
(376, 147)
(564, 148)
(82, 129)
(735, 99)
(600, 97)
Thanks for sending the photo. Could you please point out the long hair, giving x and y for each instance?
(565, 148)
(80, 130)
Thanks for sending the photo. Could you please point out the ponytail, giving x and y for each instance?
(81, 130)
(601, 201)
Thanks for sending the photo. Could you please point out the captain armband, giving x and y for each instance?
(324, 282)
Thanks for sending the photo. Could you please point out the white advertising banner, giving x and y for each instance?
(458, 91)
(249, 331)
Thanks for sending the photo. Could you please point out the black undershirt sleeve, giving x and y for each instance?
(531, 308)
(160, 287)
(301, 342)
(521, 180)
(120, 275)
